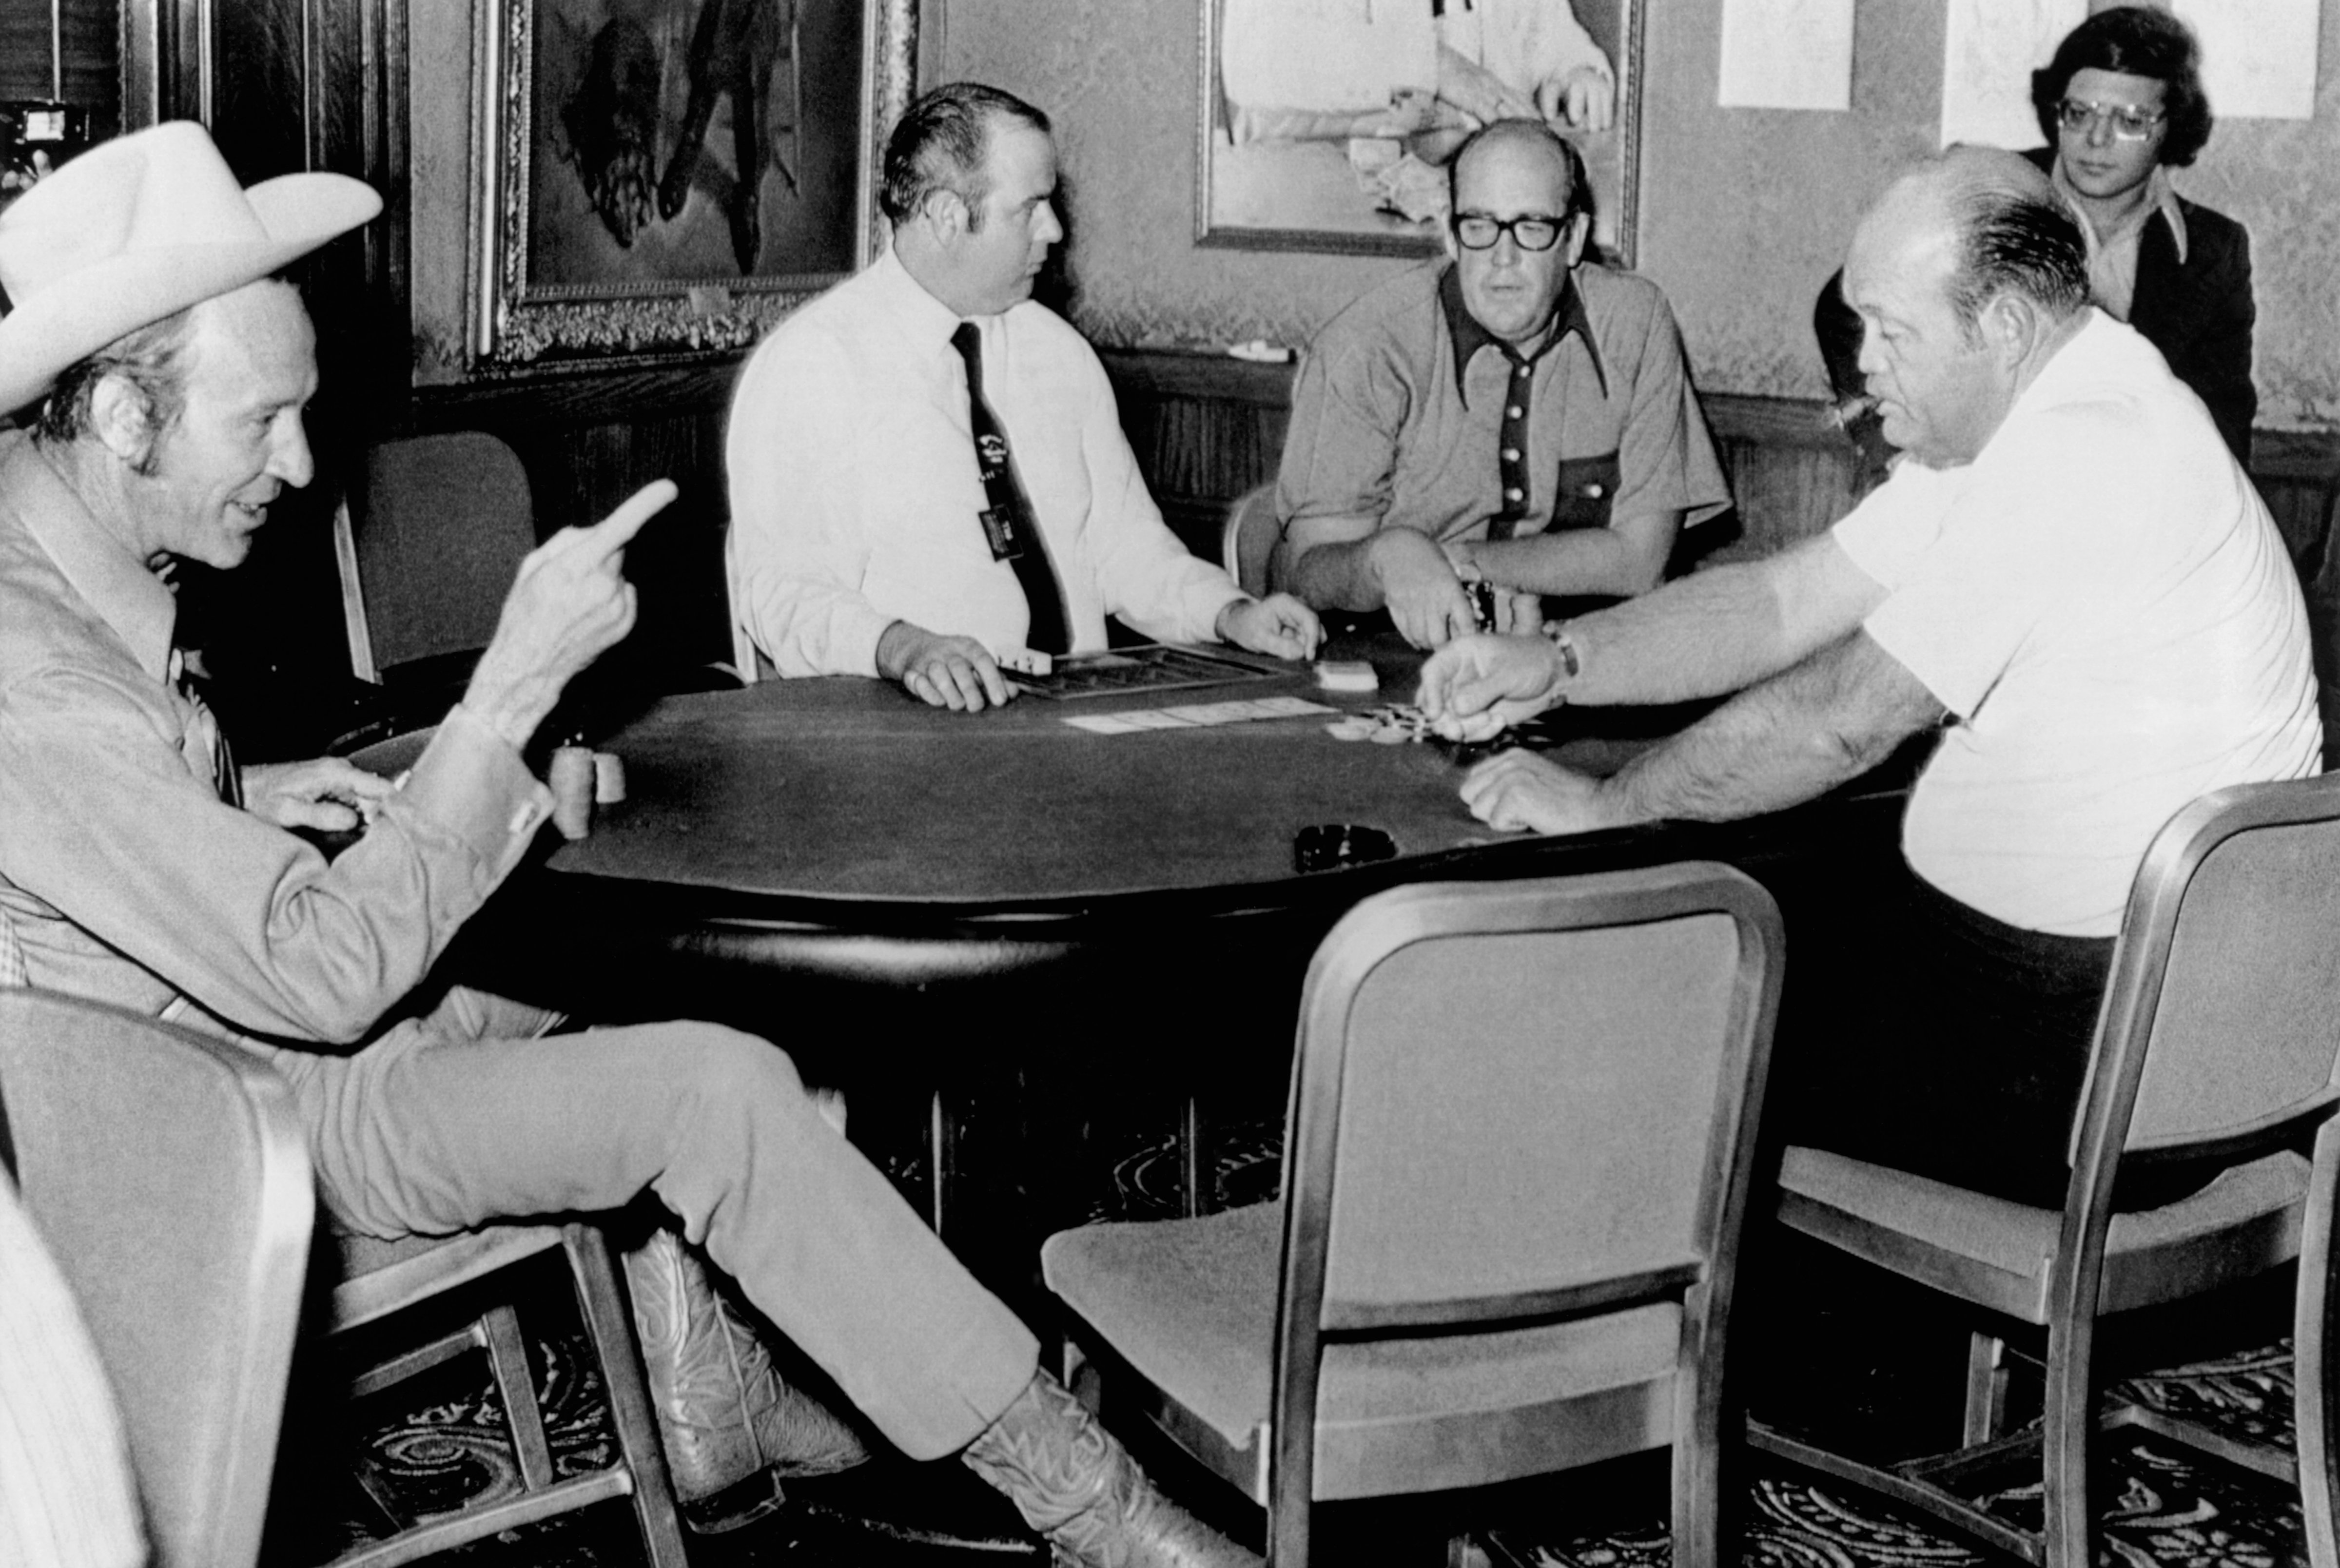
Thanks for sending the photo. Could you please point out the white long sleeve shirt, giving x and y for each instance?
(854, 493)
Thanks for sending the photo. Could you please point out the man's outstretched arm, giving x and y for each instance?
(1781, 742)
(1700, 636)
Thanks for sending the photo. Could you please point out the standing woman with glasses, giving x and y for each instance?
(2122, 105)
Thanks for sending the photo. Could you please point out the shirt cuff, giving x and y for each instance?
(1205, 602)
(472, 783)
(853, 639)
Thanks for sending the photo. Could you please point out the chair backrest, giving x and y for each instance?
(1517, 1097)
(169, 1177)
(1249, 537)
(428, 542)
(2223, 1011)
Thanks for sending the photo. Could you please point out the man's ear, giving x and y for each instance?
(1574, 237)
(123, 418)
(2011, 326)
(946, 213)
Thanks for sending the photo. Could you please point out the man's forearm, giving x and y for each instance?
(1798, 734)
(1720, 630)
(1331, 576)
(1619, 560)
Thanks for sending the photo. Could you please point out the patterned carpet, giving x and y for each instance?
(440, 1442)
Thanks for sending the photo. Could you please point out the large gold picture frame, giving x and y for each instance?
(1279, 161)
(611, 223)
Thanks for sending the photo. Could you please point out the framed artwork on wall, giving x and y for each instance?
(661, 179)
(1327, 124)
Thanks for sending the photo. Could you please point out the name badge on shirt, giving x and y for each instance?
(999, 532)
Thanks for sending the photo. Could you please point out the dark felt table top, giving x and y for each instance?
(844, 787)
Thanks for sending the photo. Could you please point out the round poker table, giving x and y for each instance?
(836, 833)
(1006, 907)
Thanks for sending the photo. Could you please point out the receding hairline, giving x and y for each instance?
(1933, 197)
(1526, 135)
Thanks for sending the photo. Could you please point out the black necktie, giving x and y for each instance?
(1007, 520)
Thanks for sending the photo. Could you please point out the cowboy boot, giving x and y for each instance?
(1075, 1483)
(730, 1424)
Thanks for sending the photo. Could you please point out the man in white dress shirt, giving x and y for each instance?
(872, 533)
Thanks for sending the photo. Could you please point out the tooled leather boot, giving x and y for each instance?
(1076, 1485)
(730, 1424)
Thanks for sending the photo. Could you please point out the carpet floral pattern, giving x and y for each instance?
(2165, 1506)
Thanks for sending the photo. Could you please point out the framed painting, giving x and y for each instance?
(1327, 124)
(664, 178)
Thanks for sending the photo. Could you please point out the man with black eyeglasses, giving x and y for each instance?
(1516, 414)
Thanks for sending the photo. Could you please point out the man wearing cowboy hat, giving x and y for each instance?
(139, 867)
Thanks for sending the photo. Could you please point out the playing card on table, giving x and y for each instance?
(1287, 707)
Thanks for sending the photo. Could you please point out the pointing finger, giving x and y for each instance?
(616, 530)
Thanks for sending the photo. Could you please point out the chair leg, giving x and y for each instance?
(1985, 1389)
(508, 1360)
(612, 1328)
(2067, 1522)
(1288, 1533)
(2319, 1478)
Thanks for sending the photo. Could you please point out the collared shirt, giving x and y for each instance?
(2103, 602)
(854, 493)
(1399, 413)
(2112, 254)
(124, 878)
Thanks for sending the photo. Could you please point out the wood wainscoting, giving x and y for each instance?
(1208, 427)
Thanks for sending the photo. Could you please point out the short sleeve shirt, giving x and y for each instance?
(2102, 602)
(1400, 407)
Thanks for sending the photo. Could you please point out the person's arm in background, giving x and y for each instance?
(1334, 490)
(1329, 58)
(1145, 575)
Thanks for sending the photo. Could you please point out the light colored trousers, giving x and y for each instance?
(461, 1119)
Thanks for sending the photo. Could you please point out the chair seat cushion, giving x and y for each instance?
(1997, 1253)
(1190, 1304)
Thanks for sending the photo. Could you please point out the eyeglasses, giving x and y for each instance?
(2129, 124)
(1478, 231)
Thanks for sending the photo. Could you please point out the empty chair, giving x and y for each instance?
(167, 1174)
(2216, 1043)
(1520, 1136)
(1249, 538)
(428, 543)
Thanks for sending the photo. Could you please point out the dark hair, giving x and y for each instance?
(153, 358)
(1531, 132)
(2019, 241)
(939, 143)
(2135, 41)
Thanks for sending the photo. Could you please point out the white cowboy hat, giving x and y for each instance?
(139, 228)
